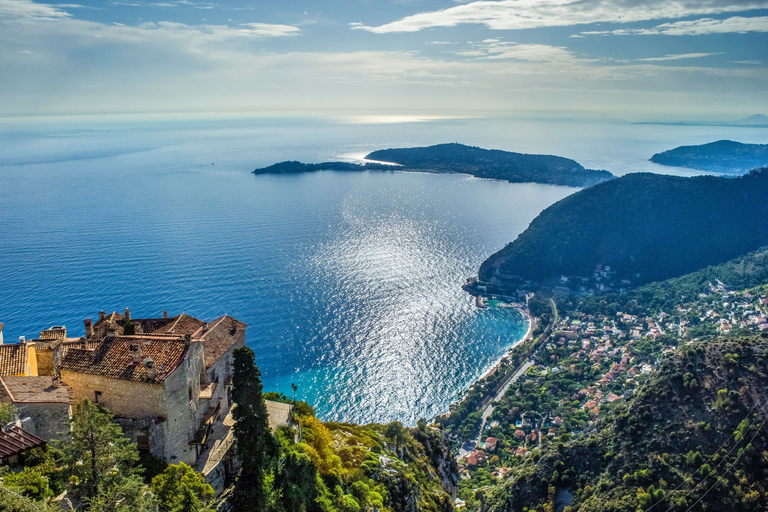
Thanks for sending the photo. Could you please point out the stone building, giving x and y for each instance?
(167, 380)
(43, 404)
(151, 383)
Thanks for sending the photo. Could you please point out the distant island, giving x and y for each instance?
(723, 156)
(458, 158)
(634, 229)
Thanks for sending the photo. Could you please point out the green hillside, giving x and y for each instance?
(691, 438)
(645, 227)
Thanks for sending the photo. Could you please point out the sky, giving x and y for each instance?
(631, 59)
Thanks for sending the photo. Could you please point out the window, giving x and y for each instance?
(97, 396)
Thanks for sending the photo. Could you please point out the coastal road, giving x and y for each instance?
(489, 408)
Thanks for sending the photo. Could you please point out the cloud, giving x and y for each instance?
(271, 30)
(525, 14)
(77, 66)
(493, 49)
(700, 27)
(24, 10)
(679, 56)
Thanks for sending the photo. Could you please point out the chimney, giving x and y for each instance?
(205, 326)
(54, 382)
(165, 313)
(88, 328)
(136, 351)
(127, 314)
(149, 364)
(139, 328)
(102, 315)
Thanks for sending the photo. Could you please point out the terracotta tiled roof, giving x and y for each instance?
(219, 336)
(13, 359)
(80, 343)
(34, 390)
(113, 358)
(15, 441)
(180, 324)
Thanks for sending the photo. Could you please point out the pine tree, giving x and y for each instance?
(255, 446)
(95, 453)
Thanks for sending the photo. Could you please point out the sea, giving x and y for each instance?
(350, 282)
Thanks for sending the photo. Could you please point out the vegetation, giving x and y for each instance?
(100, 464)
(745, 272)
(637, 225)
(725, 156)
(458, 158)
(181, 489)
(333, 467)
(695, 427)
(255, 446)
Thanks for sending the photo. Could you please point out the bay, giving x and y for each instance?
(350, 282)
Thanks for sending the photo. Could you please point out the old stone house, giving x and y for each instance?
(168, 383)
(151, 383)
(43, 404)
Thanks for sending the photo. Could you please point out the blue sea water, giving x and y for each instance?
(350, 282)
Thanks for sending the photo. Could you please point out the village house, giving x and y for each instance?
(475, 458)
(490, 444)
(167, 380)
(42, 404)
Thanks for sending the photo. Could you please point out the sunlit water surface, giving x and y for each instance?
(350, 282)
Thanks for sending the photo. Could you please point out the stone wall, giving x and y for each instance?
(124, 398)
(50, 419)
(221, 370)
(184, 409)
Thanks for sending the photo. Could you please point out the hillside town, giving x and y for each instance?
(166, 380)
(590, 361)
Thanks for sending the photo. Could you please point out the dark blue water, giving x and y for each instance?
(350, 282)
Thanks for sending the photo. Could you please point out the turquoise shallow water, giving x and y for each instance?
(350, 282)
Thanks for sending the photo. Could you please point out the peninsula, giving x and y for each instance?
(723, 156)
(458, 158)
(632, 230)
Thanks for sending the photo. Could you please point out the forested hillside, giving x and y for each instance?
(691, 438)
(645, 227)
(724, 156)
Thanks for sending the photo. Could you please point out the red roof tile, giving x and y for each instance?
(219, 336)
(113, 358)
(13, 359)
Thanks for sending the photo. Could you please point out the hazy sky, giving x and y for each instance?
(637, 59)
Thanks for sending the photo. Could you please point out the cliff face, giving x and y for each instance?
(389, 468)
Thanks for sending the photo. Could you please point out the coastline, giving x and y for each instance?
(525, 339)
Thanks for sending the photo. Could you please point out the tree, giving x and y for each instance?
(179, 483)
(255, 446)
(29, 483)
(6, 414)
(297, 481)
(94, 452)
(126, 495)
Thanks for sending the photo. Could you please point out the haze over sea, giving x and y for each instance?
(350, 282)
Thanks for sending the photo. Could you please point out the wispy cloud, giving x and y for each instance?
(22, 10)
(679, 56)
(700, 27)
(493, 49)
(526, 14)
